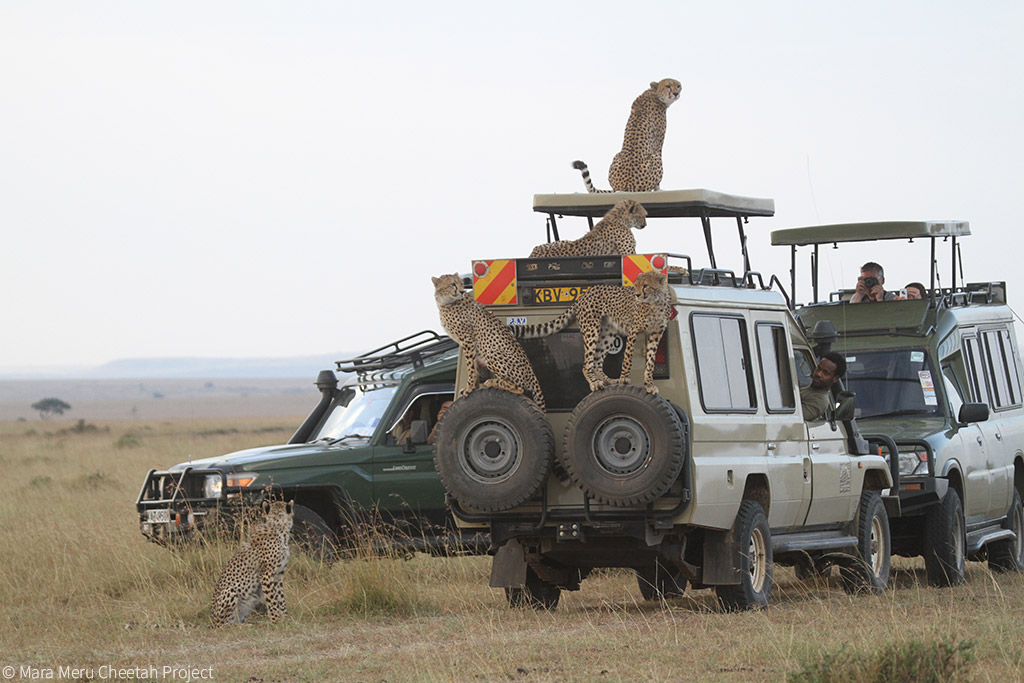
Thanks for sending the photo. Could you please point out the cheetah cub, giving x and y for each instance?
(611, 235)
(607, 310)
(255, 575)
(484, 341)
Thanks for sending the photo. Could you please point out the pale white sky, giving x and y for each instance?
(247, 179)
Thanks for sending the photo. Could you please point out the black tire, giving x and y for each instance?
(1008, 556)
(754, 545)
(313, 535)
(624, 446)
(869, 569)
(945, 541)
(537, 593)
(493, 449)
(660, 581)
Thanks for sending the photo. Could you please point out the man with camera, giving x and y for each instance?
(869, 285)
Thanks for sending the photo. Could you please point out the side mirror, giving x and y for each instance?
(972, 412)
(845, 410)
(418, 431)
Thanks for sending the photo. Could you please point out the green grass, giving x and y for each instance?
(80, 587)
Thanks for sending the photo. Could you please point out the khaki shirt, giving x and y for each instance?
(813, 402)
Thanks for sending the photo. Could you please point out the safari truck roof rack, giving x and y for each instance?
(695, 203)
(816, 235)
(412, 350)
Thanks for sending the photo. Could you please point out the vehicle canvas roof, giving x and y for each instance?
(868, 232)
(694, 203)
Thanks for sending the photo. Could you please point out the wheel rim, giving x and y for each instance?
(958, 543)
(491, 451)
(622, 446)
(876, 555)
(1018, 526)
(758, 561)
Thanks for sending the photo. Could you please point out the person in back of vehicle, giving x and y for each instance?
(870, 285)
(817, 396)
(915, 290)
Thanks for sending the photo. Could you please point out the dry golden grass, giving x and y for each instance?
(80, 587)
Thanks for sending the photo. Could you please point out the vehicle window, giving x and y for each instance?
(975, 370)
(558, 363)
(775, 369)
(891, 383)
(956, 399)
(421, 404)
(1001, 366)
(355, 415)
(723, 367)
(1011, 365)
(804, 367)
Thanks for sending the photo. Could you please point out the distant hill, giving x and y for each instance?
(178, 368)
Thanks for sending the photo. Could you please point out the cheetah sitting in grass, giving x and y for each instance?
(255, 575)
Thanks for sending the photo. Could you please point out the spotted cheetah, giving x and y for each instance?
(485, 342)
(254, 576)
(603, 312)
(637, 167)
(611, 235)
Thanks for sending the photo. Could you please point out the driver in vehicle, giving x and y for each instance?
(817, 396)
(870, 285)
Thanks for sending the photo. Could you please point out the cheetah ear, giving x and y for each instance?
(266, 506)
(654, 84)
(289, 506)
(436, 280)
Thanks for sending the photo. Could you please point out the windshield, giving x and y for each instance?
(355, 415)
(893, 383)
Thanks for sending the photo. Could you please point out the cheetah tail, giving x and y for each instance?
(543, 329)
(585, 172)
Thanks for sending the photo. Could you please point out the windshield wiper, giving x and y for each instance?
(897, 413)
(331, 442)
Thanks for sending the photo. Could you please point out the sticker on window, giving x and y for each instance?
(851, 359)
(927, 388)
(516, 321)
(917, 356)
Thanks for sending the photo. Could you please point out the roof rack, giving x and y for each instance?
(414, 349)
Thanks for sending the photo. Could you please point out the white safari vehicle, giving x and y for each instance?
(710, 482)
(941, 375)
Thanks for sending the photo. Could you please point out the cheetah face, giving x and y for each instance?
(650, 283)
(447, 289)
(667, 90)
(279, 514)
(635, 215)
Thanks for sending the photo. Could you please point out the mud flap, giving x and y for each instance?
(720, 555)
(508, 569)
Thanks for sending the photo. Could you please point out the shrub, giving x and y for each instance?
(911, 661)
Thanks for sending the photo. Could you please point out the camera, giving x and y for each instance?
(870, 282)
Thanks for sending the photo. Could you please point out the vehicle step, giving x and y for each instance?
(976, 539)
(812, 541)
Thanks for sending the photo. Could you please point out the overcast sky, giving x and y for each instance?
(265, 179)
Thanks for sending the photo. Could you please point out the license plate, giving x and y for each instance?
(158, 516)
(558, 295)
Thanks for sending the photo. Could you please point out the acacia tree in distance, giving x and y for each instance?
(50, 406)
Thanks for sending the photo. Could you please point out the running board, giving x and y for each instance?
(812, 541)
(976, 539)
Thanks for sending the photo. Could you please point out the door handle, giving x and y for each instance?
(815, 446)
(771, 445)
(979, 440)
(999, 437)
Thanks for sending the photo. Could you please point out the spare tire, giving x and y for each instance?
(493, 449)
(624, 446)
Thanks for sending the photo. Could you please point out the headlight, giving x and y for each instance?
(913, 461)
(211, 486)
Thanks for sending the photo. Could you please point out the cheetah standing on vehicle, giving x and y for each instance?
(485, 342)
(255, 574)
(603, 312)
(637, 167)
(611, 235)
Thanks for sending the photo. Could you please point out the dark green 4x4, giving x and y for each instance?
(344, 465)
